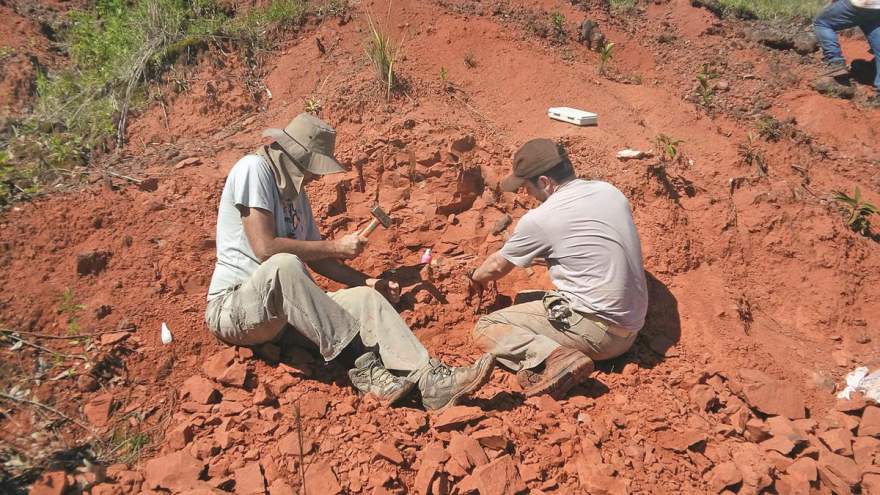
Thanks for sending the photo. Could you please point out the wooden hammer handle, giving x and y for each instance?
(370, 228)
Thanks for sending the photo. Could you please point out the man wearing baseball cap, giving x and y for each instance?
(262, 289)
(584, 230)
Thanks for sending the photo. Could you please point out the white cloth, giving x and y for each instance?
(585, 230)
(251, 183)
(866, 4)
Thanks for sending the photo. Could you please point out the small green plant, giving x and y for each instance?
(770, 128)
(752, 154)
(705, 91)
(557, 24)
(124, 446)
(858, 211)
(667, 148)
(469, 61)
(444, 78)
(68, 306)
(313, 105)
(5, 51)
(606, 53)
(383, 53)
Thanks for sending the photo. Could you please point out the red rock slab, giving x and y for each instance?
(114, 338)
(320, 479)
(216, 365)
(852, 405)
(176, 471)
(787, 484)
(98, 409)
(263, 396)
(772, 397)
(781, 426)
(234, 376)
(249, 480)
(804, 469)
(466, 451)
(865, 449)
(679, 441)
(722, 476)
(314, 405)
(492, 438)
(425, 477)
(840, 473)
(779, 444)
(871, 483)
(180, 436)
(456, 417)
(838, 440)
(870, 423)
(499, 477)
(289, 445)
(200, 390)
(434, 453)
(703, 396)
(388, 451)
(279, 487)
(50, 483)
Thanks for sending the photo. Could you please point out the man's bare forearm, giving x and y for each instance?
(495, 267)
(306, 250)
(338, 271)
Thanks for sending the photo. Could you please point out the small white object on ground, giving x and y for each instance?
(426, 257)
(858, 380)
(573, 116)
(631, 154)
(166, 334)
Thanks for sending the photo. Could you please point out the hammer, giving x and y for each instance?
(379, 216)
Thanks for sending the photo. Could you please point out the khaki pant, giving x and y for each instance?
(281, 292)
(521, 336)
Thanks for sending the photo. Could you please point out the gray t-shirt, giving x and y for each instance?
(585, 230)
(251, 183)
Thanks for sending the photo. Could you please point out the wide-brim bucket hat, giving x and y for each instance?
(310, 142)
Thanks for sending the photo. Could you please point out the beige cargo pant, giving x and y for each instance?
(521, 336)
(281, 292)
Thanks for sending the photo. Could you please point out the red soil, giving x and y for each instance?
(762, 299)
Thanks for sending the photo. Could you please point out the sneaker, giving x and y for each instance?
(370, 377)
(563, 369)
(830, 86)
(835, 68)
(443, 386)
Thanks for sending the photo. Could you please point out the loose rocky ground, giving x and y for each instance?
(761, 298)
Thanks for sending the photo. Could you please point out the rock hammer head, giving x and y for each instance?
(379, 217)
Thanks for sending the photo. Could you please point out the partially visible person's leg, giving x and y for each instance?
(835, 17)
(516, 335)
(382, 329)
(281, 291)
(871, 28)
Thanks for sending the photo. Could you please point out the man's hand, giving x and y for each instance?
(388, 288)
(350, 246)
(474, 288)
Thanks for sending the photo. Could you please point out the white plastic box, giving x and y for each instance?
(573, 116)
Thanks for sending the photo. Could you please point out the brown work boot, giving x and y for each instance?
(563, 369)
(370, 377)
(443, 386)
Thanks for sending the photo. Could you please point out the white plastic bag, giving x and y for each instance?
(858, 380)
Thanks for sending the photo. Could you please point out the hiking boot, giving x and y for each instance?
(563, 369)
(370, 377)
(443, 386)
(835, 68)
(830, 86)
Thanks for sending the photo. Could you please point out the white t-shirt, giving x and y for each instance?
(585, 230)
(866, 4)
(251, 183)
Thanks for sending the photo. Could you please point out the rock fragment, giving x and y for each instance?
(869, 426)
(320, 478)
(249, 480)
(722, 476)
(50, 483)
(200, 390)
(456, 417)
(176, 471)
(92, 262)
(388, 451)
(499, 477)
(98, 410)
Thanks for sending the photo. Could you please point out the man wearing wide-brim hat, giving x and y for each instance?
(584, 230)
(261, 287)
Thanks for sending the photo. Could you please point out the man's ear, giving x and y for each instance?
(543, 182)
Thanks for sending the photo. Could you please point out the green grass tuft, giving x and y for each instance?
(773, 9)
(117, 48)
